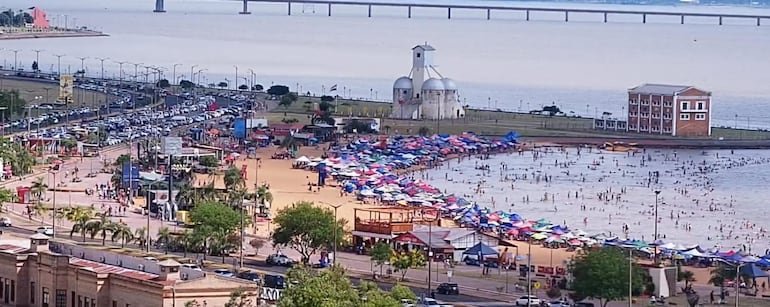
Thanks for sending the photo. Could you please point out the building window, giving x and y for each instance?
(46, 297)
(667, 103)
(684, 116)
(61, 298)
(655, 103)
(700, 116)
(32, 292)
(114, 303)
(632, 101)
(13, 290)
(72, 298)
(418, 54)
(645, 102)
(685, 105)
(80, 301)
(701, 105)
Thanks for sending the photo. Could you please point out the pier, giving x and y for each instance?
(488, 10)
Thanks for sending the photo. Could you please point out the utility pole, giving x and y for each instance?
(53, 220)
(192, 73)
(136, 70)
(102, 60)
(655, 238)
(235, 86)
(83, 65)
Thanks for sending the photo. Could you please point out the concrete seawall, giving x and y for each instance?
(656, 143)
(32, 35)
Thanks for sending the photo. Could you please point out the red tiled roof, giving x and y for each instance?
(13, 249)
(111, 269)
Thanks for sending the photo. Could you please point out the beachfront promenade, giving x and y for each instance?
(604, 14)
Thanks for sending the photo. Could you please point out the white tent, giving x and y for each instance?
(302, 159)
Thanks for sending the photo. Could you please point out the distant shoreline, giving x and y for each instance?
(34, 35)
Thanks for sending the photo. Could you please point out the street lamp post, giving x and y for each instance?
(102, 60)
(252, 81)
(37, 57)
(430, 245)
(630, 277)
(655, 235)
(58, 63)
(737, 276)
(15, 58)
(147, 203)
(529, 270)
(235, 86)
(173, 75)
(83, 64)
(334, 260)
(136, 70)
(53, 215)
(192, 73)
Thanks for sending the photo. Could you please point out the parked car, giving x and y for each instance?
(429, 302)
(559, 303)
(528, 300)
(191, 266)
(279, 259)
(448, 288)
(584, 304)
(224, 273)
(5, 221)
(46, 230)
(274, 281)
(249, 275)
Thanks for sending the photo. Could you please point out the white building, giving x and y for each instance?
(425, 93)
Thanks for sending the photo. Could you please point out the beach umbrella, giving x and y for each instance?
(539, 236)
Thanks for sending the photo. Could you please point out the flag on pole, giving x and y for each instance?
(333, 88)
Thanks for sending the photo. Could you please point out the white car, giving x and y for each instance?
(191, 266)
(429, 302)
(530, 300)
(46, 230)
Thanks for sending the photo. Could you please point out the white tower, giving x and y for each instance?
(422, 60)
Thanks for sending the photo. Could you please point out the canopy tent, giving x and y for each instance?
(302, 159)
(753, 271)
(480, 249)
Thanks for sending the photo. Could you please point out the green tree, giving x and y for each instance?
(721, 274)
(163, 83)
(264, 196)
(122, 160)
(687, 276)
(186, 84)
(287, 100)
(13, 102)
(222, 85)
(331, 288)
(38, 188)
(380, 254)
(216, 216)
(5, 196)
(123, 234)
(306, 229)
(603, 274)
(79, 216)
(290, 143)
(257, 87)
(400, 292)
(233, 178)
(278, 90)
(208, 161)
(257, 243)
(140, 236)
(102, 226)
(34, 66)
(164, 236)
(403, 261)
(69, 144)
(326, 99)
(240, 298)
(187, 196)
(243, 87)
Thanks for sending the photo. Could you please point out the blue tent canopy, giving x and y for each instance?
(482, 249)
(753, 271)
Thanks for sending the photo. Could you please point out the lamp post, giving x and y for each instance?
(102, 60)
(37, 57)
(83, 64)
(252, 79)
(334, 260)
(192, 73)
(120, 77)
(136, 70)
(737, 277)
(430, 243)
(58, 63)
(630, 277)
(655, 235)
(173, 75)
(147, 203)
(529, 270)
(235, 86)
(53, 219)
(15, 58)
(200, 72)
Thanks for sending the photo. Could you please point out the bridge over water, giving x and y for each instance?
(642, 14)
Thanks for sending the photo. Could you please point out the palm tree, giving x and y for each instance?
(290, 143)
(41, 210)
(187, 196)
(123, 233)
(233, 178)
(687, 277)
(140, 236)
(187, 241)
(102, 226)
(5, 196)
(38, 188)
(80, 216)
(165, 237)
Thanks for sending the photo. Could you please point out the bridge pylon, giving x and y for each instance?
(159, 7)
(245, 10)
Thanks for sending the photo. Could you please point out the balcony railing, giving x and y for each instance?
(384, 227)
